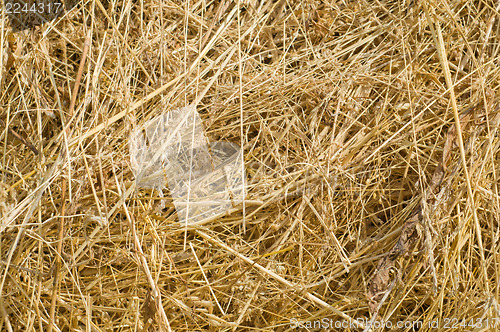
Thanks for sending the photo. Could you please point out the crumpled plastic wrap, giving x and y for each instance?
(205, 179)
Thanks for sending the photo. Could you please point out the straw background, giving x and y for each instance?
(371, 147)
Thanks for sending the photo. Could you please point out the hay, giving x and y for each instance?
(370, 139)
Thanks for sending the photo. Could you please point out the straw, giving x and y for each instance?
(369, 133)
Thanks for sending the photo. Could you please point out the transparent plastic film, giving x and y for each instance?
(205, 179)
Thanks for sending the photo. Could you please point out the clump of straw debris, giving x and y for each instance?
(370, 139)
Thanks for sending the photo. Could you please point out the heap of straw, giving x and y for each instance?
(370, 139)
